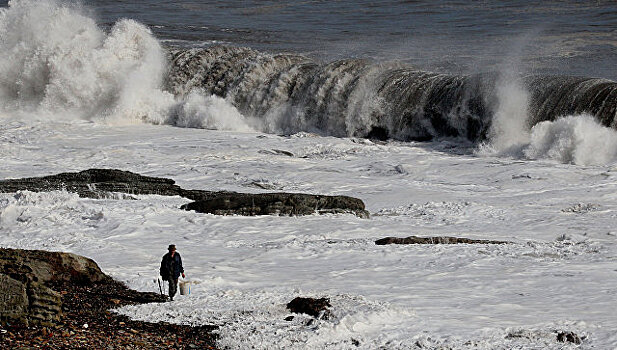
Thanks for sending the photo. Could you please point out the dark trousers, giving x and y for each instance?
(173, 287)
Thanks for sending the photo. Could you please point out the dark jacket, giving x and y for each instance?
(171, 267)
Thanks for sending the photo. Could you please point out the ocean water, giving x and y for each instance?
(558, 37)
(487, 120)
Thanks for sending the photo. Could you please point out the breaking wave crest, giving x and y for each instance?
(509, 115)
(575, 139)
(56, 61)
(354, 97)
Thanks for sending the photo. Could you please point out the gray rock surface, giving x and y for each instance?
(106, 183)
(94, 183)
(13, 300)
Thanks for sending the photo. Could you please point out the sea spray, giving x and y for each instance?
(55, 59)
(509, 131)
(199, 110)
(56, 62)
(578, 139)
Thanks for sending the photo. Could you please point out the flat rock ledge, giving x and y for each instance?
(108, 183)
(434, 240)
(59, 300)
(277, 204)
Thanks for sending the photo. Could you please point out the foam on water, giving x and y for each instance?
(561, 224)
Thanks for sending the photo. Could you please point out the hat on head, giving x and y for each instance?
(171, 247)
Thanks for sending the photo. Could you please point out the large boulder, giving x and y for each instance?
(26, 278)
(14, 307)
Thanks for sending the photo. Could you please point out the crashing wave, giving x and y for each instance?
(56, 62)
(291, 93)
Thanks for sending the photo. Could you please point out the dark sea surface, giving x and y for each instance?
(546, 37)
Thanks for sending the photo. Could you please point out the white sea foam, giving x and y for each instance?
(391, 296)
(55, 61)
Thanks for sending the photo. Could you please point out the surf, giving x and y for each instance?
(56, 62)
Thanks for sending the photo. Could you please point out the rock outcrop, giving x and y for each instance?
(107, 183)
(94, 183)
(434, 240)
(28, 279)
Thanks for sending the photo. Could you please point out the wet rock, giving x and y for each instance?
(43, 267)
(377, 133)
(311, 306)
(570, 337)
(94, 183)
(434, 240)
(278, 204)
(107, 183)
(277, 151)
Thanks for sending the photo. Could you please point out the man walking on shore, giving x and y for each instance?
(171, 269)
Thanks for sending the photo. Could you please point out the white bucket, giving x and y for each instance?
(185, 287)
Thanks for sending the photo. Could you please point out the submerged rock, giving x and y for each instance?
(106, 183)
(434, 240)
(311, 306)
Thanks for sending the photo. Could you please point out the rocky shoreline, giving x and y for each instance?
(59, 301)
(56, 300)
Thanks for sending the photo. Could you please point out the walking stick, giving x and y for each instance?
(160, 289)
